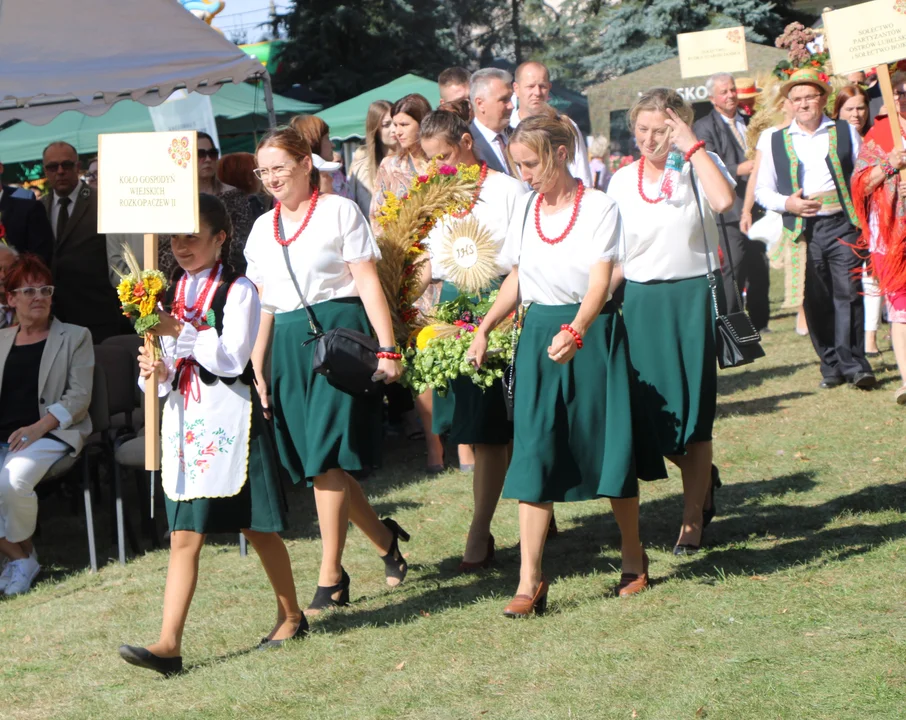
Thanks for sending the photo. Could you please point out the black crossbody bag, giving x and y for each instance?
(509, 375)
(346, 358)
(738, 342)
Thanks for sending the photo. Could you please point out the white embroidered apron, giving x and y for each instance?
(205, 433)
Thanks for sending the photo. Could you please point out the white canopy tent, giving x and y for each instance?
(85, 55)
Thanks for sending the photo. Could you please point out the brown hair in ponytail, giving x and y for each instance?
(543, 134)
(446, 124)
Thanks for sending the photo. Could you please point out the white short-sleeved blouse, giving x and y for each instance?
(558, 274)
(337, 234)
(664, 241)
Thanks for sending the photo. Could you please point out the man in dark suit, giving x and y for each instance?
(24, 223)
(83, 295)
(724, 132)
(491, 92)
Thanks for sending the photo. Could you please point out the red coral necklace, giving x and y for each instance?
(580, 191)
(459, 214)
(311, 209)
(653, 201)
(190, 315)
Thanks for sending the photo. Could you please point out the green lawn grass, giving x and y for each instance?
(796, 609)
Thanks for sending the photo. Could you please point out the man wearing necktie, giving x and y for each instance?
(490, 91)
(724, 133)
(83, 295)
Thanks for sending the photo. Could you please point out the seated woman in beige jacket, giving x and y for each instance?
(46, 373)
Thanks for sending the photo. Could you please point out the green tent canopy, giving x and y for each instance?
(347, 120)
(238, 110)
(267, 53)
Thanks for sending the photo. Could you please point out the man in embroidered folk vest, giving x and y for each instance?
(806, 178)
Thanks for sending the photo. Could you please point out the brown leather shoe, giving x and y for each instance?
(630, 583)
(522, 606)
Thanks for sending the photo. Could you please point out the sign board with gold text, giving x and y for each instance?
(863, 36)
(711, 51)
(148, 183)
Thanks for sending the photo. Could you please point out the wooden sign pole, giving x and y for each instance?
(152, 401)
(892, 107)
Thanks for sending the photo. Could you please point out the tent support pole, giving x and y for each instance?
(269, 100)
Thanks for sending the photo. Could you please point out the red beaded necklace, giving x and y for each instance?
(190, 315)
(580, 191)
(311, 209)
(459, 214)
(659, 198)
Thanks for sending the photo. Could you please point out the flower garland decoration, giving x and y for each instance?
(405, 222)
(138, 292)
(440, 351)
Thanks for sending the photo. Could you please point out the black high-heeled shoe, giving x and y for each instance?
(300, 633)
(329, 596)
(395, 565)
(140, 657)
(708, 515)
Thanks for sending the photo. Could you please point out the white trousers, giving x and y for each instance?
(872, 301)
(20, 472)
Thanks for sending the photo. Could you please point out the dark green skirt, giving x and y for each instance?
(573, 423)
(258, 506)
(670, 325)
(470, 415)
(318, 427)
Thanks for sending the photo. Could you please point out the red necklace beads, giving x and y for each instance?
(572, 221)
(659, 198)
(460, 214)
(311, 209)
(192, 314)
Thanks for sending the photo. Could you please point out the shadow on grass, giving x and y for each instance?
(591, 546)
(758, 406)
(757, 376)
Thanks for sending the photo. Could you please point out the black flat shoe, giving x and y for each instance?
(300, 633)
(395, 565)
(140, 657)
(682, 550)
(863, 381)
(829, 383)
(708, 515)
(329, 596)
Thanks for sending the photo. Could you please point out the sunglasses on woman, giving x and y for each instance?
(208, 154)
(31, 292)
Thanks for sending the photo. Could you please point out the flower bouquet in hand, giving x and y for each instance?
(440, 351)
(139, 291)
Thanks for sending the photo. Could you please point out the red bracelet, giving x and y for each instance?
(694, 149)
(389, 356)
(576, 336)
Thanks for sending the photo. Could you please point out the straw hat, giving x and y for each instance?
(746, 88)
(805, 76)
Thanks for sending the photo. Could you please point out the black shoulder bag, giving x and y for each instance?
(509, 375)
(738, 342)
(346, 358)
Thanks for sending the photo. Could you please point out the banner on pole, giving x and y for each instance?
(866, 35)
(711, 51)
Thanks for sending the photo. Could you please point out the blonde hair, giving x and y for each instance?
(659, 100)
(293, 143)
(543, 134)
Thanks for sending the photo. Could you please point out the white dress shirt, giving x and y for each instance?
(579, 167)
(740, 127)
(55, 207)
(812, 150)
(491, 137)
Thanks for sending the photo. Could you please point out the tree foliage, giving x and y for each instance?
(587, 41)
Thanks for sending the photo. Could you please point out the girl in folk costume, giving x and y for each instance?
(473, 417)
(316, 254)
(878, 193)
(573, 426)
(218, 469)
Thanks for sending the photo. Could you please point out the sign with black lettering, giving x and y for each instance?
(711, 51)
(148, 183)
(863, 36)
